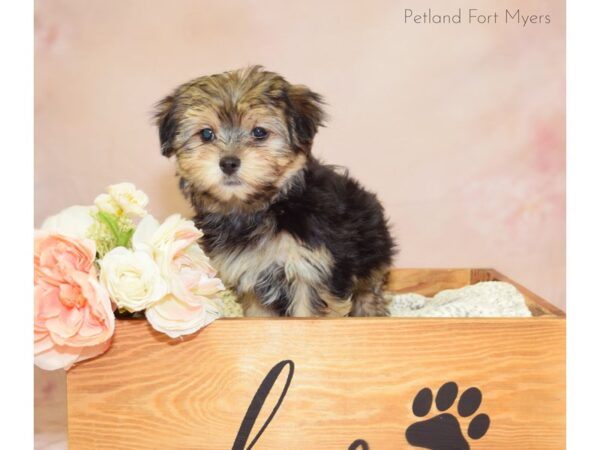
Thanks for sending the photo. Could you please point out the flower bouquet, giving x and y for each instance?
(92, 262)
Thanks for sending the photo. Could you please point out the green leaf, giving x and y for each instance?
(111, 222)
(124, 239)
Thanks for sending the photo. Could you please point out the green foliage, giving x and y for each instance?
(110, 231)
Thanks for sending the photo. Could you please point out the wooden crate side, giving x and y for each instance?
(536, 304)
(352, 379)
(427, 281)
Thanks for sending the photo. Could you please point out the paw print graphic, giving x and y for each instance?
(443, 431)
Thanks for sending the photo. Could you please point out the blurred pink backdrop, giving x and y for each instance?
(459, 129)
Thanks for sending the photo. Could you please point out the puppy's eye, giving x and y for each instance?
(206, 134)
(259, 133)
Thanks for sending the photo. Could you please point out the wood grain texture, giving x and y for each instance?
(427, 281)
(354, 379)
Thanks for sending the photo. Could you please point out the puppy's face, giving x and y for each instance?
(239, 137)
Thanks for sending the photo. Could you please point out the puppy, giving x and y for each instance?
(291, 236)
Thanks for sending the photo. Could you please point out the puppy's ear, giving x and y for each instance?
(305, 115)
(167, 125)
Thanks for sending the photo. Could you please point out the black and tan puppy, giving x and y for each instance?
(291, 236)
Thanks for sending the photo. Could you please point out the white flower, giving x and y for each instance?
(74, 221)
(152, 236)
(177, 318)
(132, 278)
(106, 203)
(192, 281)
(123, 198)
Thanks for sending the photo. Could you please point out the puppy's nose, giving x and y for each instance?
(229, 164)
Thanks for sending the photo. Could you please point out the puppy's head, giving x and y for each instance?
(239, 137)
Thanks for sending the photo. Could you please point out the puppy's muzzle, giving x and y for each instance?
(229, 164)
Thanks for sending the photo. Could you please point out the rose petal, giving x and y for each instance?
(42, 343)
(175, 318)
(73, 221)
(91, 326)
(142, 237)
(57, 358)
(46, 302)
(66, 325)
(210, 286)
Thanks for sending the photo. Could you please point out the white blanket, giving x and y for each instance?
(484, 299)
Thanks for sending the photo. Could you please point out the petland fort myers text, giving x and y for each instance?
(473, 16)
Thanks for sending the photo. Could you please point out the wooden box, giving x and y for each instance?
(331, 383)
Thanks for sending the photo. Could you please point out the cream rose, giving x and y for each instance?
(176, 317)
(154, 238)
(123, 198)
(132, 279)
(131, 200)
(106, 203)
(192, 281)
(74, 221)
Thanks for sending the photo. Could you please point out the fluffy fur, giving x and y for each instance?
(292, 236)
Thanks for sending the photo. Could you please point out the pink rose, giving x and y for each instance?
(73, 317)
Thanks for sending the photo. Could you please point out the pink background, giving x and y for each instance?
(460, 129)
